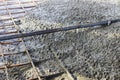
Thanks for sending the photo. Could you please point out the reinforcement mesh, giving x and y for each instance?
(14, 55)
(87, 53)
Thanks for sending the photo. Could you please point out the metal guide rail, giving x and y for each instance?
(14, 53)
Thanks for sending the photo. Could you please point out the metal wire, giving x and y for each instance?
(5, 65)
(24, 44)
(37, 72)
(17, 28)
(20, 40)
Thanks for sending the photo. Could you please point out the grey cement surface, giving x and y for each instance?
(93, 53)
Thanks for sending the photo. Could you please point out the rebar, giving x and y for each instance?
(21, 35)
(14, 25)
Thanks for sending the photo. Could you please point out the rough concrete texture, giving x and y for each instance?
(93, 53)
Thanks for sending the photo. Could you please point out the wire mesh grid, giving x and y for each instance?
(91, 54)
(14, 55)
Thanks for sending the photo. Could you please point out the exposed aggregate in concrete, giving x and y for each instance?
(93, 53)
